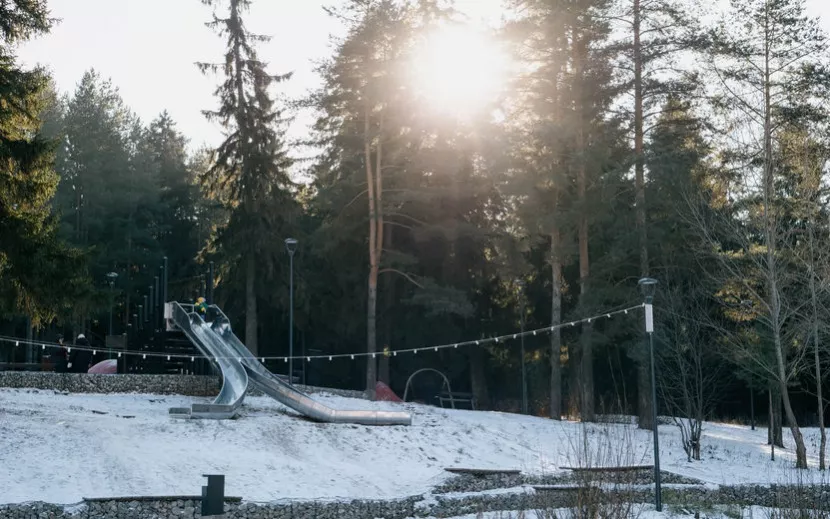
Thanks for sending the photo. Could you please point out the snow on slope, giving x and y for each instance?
(62, 447)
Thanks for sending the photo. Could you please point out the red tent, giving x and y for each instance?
(384, 393)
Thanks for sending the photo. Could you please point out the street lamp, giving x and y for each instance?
(648, 287)
(521, 285)
(111, 277)
(291, 247)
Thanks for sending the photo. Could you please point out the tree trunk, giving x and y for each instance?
(389, 298)
(30, 348)
(643, 374)
(375, 187)
(800, 448)
(772, 272)
(816, 356)
(586, 369)
(644, 420)
(775, 433)
(251, 306)
(478, 378)
(820, 400)
(556, 334)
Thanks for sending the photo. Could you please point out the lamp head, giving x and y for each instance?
(648, 286)
(290, 245)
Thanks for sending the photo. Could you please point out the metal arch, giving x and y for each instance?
(446, 383)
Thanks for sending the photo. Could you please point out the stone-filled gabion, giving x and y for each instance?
(433, 505)
(186, 385)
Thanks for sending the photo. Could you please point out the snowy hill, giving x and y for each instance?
(62, 447)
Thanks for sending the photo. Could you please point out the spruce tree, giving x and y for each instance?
(39, 274)
(655, 34)
(566, 103)
(250, 169)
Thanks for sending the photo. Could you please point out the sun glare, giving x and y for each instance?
(459, 69)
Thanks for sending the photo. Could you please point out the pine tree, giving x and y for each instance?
(656, 33)
(108, 194)
(39, 274)
(179, 196)
(250, 170)
(571, 137)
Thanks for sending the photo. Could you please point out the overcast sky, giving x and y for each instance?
(148, 48)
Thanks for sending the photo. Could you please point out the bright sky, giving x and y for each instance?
(148, 49)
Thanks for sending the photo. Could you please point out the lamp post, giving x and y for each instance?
(111, 277)
(521, 285)
(648, 286)
(291, 247)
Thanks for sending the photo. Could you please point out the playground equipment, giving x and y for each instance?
(215, 339)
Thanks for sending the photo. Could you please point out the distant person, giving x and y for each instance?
(80, 357)
(201, 307)
(58, 356)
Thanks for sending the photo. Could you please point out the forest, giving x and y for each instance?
(594, 143)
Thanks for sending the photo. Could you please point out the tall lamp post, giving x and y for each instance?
(291, 247)
(648, 287)
(521, 286)
(111, 277)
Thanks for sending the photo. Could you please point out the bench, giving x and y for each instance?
(451, 400)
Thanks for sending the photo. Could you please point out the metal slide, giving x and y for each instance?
(233, 350)
(234, 376)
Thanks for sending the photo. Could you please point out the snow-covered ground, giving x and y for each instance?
(62, 447)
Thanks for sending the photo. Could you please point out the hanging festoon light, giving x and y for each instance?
(386, 352)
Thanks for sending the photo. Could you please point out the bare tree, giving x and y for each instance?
(761, 297)
(765, 51)
(805, 157)
(690, 377)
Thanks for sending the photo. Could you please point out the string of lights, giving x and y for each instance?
(352, 356)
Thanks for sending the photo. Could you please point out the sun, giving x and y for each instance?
(458, 69)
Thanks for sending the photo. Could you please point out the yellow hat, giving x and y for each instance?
(200, 300)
